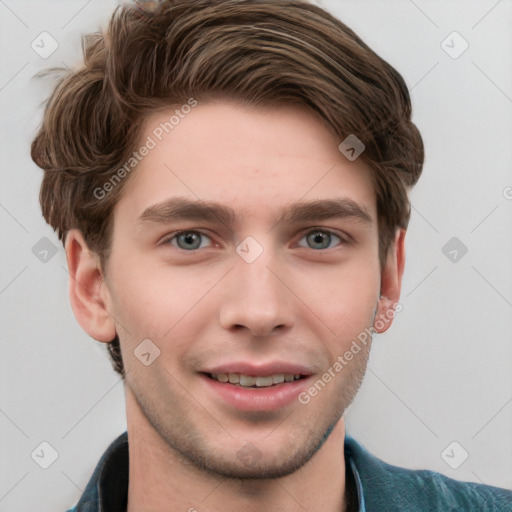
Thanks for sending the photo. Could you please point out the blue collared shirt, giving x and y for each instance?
(381, 487)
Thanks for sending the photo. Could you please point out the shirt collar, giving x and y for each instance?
(107, 489)
(349, 456)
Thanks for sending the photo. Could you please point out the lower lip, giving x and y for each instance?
(269, 398)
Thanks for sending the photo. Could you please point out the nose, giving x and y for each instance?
(257, 298)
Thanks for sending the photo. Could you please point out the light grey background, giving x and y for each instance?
(443, 371)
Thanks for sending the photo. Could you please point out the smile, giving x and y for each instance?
(248, 381)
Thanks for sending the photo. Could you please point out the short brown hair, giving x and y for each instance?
(261, 52)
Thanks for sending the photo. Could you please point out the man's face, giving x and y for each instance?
(265, 294)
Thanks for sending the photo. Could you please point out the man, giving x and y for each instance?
(230, 179)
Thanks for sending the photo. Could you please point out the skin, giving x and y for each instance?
(296, 302)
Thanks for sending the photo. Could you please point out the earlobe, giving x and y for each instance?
(391, 284)
(87, 292)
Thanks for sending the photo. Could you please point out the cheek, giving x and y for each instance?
(349, 314)
(153, 301)
(139, 301)
(344, 297)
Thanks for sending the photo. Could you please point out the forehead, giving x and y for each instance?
(258, 160)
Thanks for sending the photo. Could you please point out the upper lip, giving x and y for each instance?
(259, 370)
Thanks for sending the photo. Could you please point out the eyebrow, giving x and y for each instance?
(180, 208)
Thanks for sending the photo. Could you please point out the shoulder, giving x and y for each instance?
(439, 492)
(384, 484)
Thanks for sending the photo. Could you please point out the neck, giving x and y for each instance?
(161, 479)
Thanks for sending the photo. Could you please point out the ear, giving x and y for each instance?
(391, 284)
(87, 292)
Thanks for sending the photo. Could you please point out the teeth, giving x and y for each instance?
(264, 381)
(247, 381)
(234, 378)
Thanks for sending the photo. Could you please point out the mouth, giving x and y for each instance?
(253, 381)
(251, 393)
(255, 385)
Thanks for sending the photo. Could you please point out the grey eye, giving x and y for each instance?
(189, 240)
(319, 239)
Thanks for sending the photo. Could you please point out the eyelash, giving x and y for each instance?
(173, 236)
